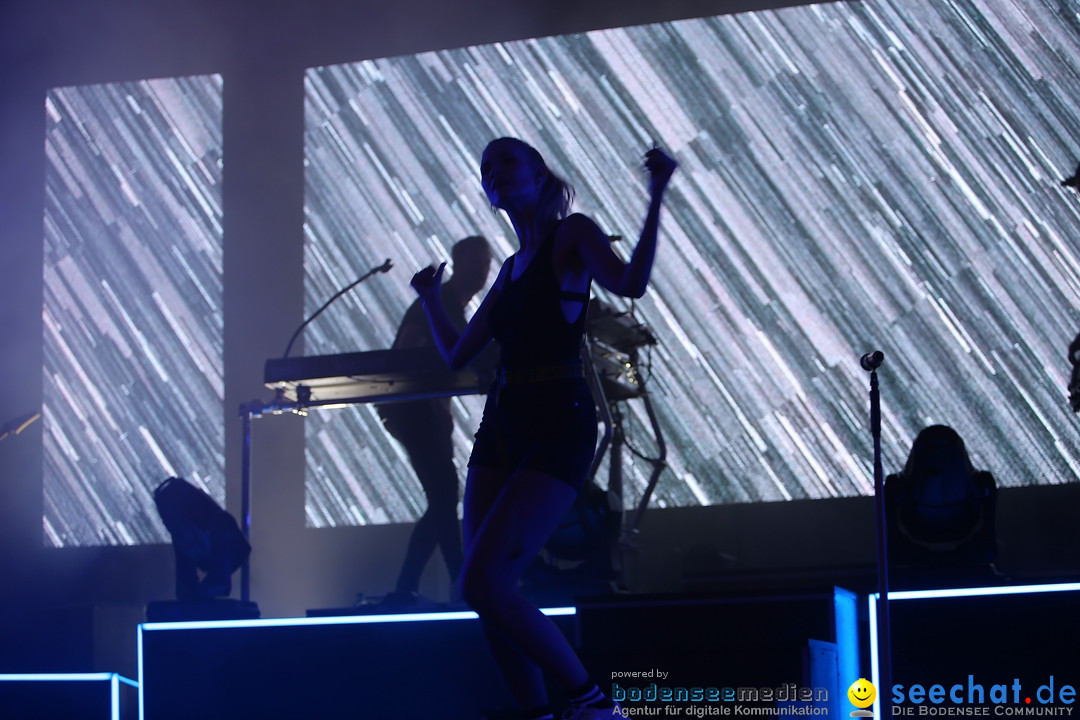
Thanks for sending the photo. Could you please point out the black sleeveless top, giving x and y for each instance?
(527, 319)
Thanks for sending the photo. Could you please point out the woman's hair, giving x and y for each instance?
(556, 195)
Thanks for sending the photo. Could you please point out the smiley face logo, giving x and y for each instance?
(862, 693)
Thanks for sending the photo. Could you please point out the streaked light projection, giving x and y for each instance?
(879, 175)
(133, 386)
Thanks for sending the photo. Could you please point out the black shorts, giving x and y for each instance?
(549, 427)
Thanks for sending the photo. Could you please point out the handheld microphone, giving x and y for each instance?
(871, 360)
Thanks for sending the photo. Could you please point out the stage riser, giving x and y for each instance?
(741, 642)
(443, 670)
(435, 669)
(996, 639)
(67, 700)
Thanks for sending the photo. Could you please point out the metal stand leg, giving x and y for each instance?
(614, 443)
(869, 362)
(882, 550)
(245, 502)
(658, 464)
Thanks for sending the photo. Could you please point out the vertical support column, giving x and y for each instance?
(263, 219)
(22, 190)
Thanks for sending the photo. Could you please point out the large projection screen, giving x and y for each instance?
(857, 176)
(133, 328)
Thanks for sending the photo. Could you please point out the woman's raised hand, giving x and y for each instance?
(661, 166)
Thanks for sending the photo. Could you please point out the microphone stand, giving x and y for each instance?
(254, 409)
(19, 424)
(385, 267)
(870, 362)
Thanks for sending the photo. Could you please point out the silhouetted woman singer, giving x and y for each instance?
(538, 434)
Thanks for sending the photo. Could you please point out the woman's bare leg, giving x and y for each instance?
(523, 677)
(507, 522)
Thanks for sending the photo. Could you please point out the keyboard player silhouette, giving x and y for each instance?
(425, 429)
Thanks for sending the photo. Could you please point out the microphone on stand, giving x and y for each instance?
(19, 424)
(872, 360)
(1072, 181)
(385, 267)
